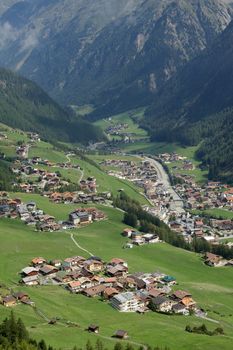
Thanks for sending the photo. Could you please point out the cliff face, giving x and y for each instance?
(113, 53)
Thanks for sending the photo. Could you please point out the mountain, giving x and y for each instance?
(197, 104)
(26, 106)
(114, 54)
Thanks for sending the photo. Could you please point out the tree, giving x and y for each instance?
(130, 219)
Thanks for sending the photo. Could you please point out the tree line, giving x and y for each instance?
(141, 220)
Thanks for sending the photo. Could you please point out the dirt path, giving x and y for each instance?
(76, 243)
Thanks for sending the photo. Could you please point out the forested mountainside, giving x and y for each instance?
(111, 53)
(26, 106)
(198, 104)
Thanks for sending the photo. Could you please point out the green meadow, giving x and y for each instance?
(212, 288)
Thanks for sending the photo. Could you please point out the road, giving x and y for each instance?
(177, 203)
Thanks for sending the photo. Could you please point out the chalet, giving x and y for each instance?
(9, 301)
(127, 232)
(93, 329)
(139, 283)
(38, 261)
(93, 265)
(121, 334)
(56, 263)
(214, 260)
(48, 270)
(184, 298)
(118, 261)
(29, 271)
(74, 286)
(20, 296)
(126, 302)
(180, 308)
(94, 291)
(49, 227)
(109, 292)
(30, 280)
(117, 270)
(153, 292)
(162, 304)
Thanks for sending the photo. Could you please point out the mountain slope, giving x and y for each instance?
(25, 106)
(113, 53)
(198, 103)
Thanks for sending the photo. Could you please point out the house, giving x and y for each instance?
(162, 304)
(127, 232)
(118, 261)
(214, 260)
(56, 263)
(117, 270)
(184, 298)
(93, 265)
(93, 329)
(9, 301)
(74, 286)
(169, 280)
(80, 218)
(30, 271)
(110, 292)
(38, 261)
(94, 291)
(30, 280)
(153, 292)
(180, 308)
(48, 270)
(121, 334)
(20, 296)
(126, 302)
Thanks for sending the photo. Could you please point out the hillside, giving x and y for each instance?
(26, 106)
(197, 104)
(114, 54)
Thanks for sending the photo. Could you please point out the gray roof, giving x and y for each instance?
(159, 300)
(124, 297)
(28, 270)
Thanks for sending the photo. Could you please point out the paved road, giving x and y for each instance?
(177, 203)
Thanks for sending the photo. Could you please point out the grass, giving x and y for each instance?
(212, 288)
(105, 182)
(8, 146)
(215, 213)
(46, 151)
(129, 118)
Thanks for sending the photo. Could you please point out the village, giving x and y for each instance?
(31, 215)
(112, 282)
(192, 195)
(175, 205)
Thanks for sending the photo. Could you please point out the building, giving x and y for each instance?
(162, 304)
(126, 302)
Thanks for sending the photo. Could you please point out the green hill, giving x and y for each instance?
(26, 106)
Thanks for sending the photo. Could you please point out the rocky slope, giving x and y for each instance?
(113, 53)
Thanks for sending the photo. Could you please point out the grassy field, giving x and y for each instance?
(104, 181)
(129, 118)
(212, 288)
(215, 213)
(8, 146)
